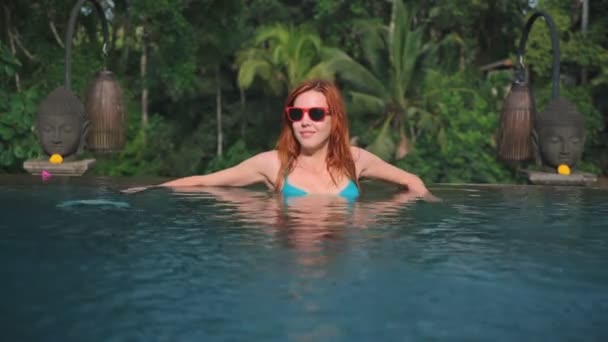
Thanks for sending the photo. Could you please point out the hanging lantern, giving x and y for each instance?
(516, 123)
(106, 115)
(518, 112)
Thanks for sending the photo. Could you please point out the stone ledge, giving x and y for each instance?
(547, 178)
(68, 168)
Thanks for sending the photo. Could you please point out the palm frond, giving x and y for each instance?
(413, 48)
(397, 35)
(383, 145)
(307, 48)
(373, 46)
(277, 34)
(354, 73)
(251, 68)
(365, 103)
(319, 71)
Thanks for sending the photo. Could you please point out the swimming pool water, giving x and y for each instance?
(82, 262)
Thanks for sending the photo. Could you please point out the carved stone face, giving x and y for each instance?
(60, 134)
(561, 145)
(559, 134)
(61, 124)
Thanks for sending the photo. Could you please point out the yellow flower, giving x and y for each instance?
(56, 159)
(563, 169)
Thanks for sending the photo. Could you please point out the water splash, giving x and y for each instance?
(98, 203)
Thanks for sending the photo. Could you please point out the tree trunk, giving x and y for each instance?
(243, 113)
(584, 24)
(50, 15)
(127, 39)
(403, 147)
(143, 65)
(218, 104)
(11, 41)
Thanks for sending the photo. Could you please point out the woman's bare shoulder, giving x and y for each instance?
(268, 157)
(358, 153)
(267, 161)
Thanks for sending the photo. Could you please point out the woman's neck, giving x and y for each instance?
(313, 159)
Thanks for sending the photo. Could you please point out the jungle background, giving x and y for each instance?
(204, 81)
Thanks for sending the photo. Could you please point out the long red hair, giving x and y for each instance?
(339, 158)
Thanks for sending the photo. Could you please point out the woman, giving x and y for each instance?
(313, 154)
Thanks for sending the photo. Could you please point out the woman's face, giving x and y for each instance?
(311, 134)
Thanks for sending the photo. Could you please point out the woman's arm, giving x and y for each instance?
(372, 166)
(253, 170)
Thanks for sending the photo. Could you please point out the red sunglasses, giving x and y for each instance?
(317, 114)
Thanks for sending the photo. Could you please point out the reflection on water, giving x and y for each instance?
(304, 222)
(505, 263)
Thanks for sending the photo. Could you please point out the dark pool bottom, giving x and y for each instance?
(85, 263)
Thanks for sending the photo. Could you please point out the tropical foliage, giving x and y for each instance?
(397, 56)
(204, 81)
(282, 56)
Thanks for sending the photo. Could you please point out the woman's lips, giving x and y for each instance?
(306, 134)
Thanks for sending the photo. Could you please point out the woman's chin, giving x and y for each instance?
(310, 146)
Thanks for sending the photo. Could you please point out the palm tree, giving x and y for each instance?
(282, 56)
(388, 83)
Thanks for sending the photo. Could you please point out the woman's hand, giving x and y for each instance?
(429, 197)
(417, 186)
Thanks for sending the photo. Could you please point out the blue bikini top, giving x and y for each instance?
(350, 191)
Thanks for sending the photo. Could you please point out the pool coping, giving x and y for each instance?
(123, 181)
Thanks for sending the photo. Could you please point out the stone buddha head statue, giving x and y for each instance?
(61, 125)
(559, 134)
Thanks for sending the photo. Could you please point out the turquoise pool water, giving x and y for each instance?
(81, 262)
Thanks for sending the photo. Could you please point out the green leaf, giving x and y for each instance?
(356, 74)
(19, 152)
(251, 68)
(384, 145)
(364, 103)
(8, 71)
(6, 158)
(6, 133)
